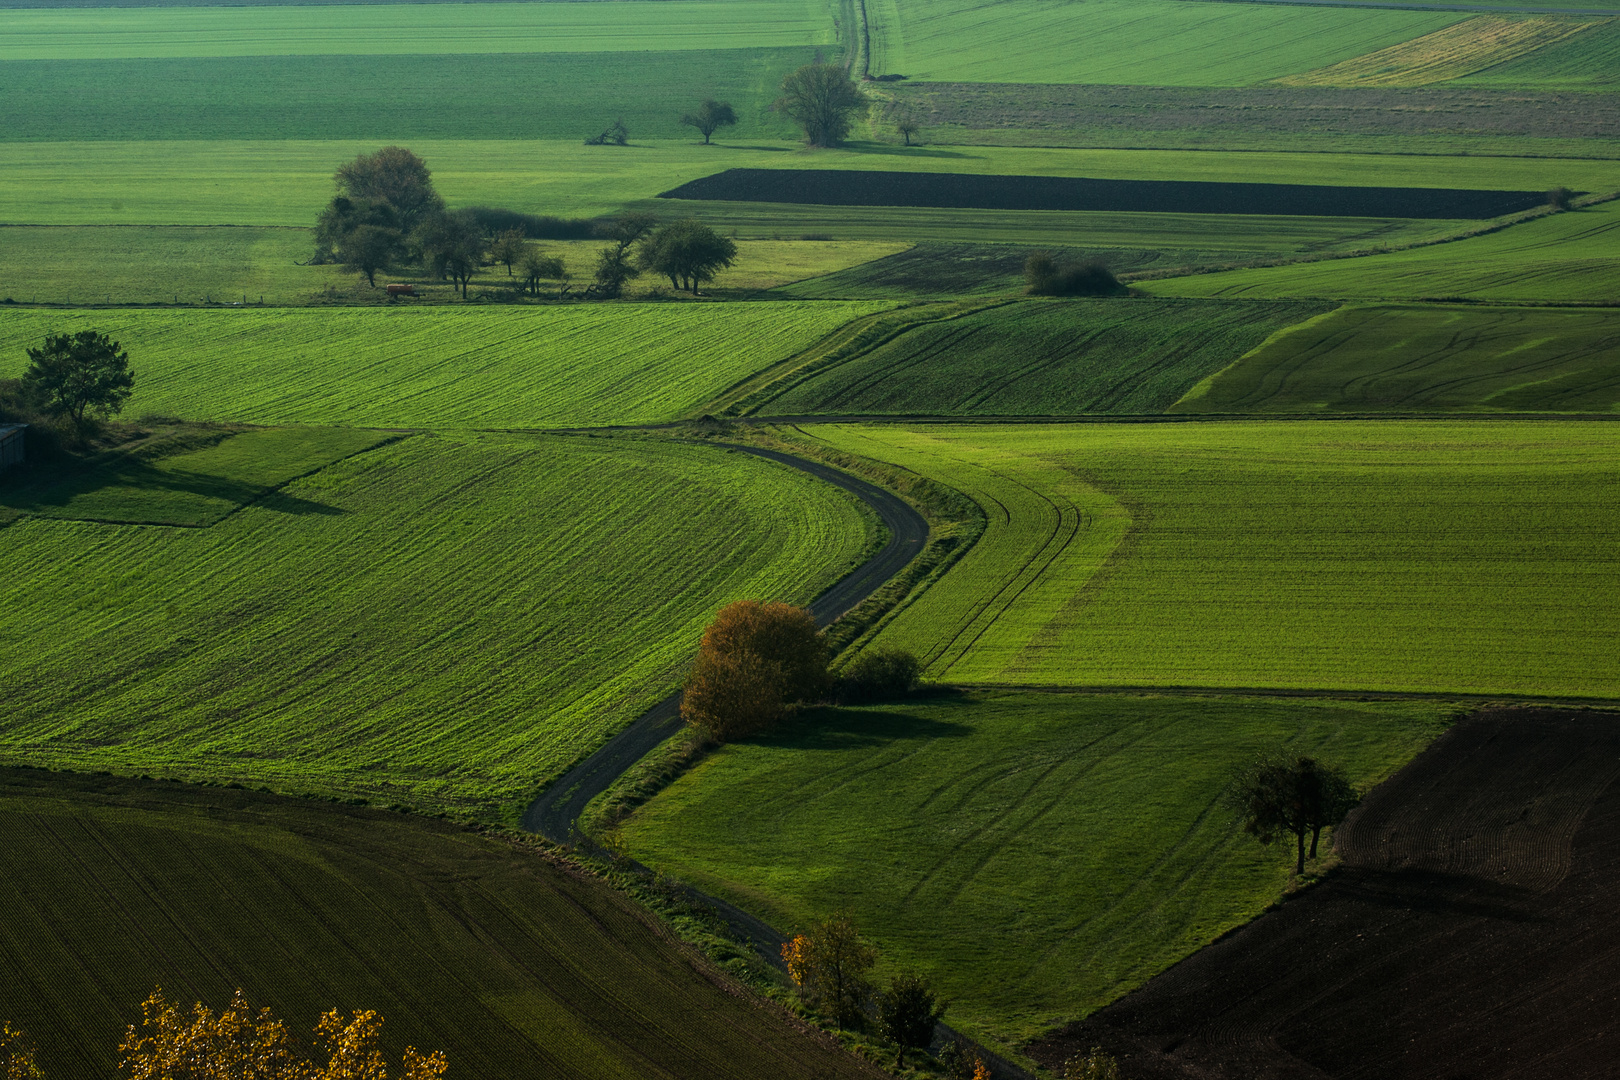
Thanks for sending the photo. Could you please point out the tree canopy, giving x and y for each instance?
(687, 252)
(452, 245)
(710, 117)
(907, 1014)
(395, 176)
(754, 660)
(1291, 795)
(829, 963)
(76, 374)
(823, 100)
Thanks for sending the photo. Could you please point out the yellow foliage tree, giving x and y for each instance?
(755, 659)
(16, 1055)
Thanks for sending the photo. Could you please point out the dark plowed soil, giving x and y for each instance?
(841, 187)
(1471, 933)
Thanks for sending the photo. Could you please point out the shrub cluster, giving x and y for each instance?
(495, 220)
(1045, 276)
(879, 675)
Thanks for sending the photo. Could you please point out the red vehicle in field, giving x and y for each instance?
(402, 290)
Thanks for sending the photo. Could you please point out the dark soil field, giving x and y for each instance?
(1470, 933)
(842, 187)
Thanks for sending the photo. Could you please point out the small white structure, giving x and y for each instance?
(11, 445)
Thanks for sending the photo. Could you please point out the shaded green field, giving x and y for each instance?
(1570, 257)
(1442, 556)
(323, 30)
(286, 182)
(1414, 358)
(180, 477)
(445, 621)
(1140, 42)
(1043, 358)
(512, 965)
(1037, 855)
(574, 95)
(1589, 61)
(440, 367)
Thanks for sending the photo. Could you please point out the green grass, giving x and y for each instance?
(179, 477)
(285, 182)
(514, 966)
(445, 621)
(1043, 358)
(439, 367)
(1565, 257)
(1446, 556)
(371, 29)
(1374, 358)
(1588, 61)
(1126, 42)
(1036, 855)
(566, 96)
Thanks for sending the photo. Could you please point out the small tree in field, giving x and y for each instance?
(710, 117)
(507, 248)
(368, 249)
(1294, 795)
(905, 120)
(535, 267)
(687, 252)
(732, 695)
(822, 100)
(829, 963)
(755, 659)
(1559, 198)
(907, 1015)
(80, 373)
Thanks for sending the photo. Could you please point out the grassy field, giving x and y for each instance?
(142, 264)
(444, 621)
(1141, 42)
(512, 965)
(1037, 855)
(286, 182)
(1454, 52)
(439, 367)
(1404, 358)
(1588, 61)
(368, 29)
(1447, 556)
(1043, 358)
(1567, 257)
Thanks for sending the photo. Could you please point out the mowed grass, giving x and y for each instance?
(439, 367)
(1043, 358)
(1036, 855)
(1566, 257)
(180, 476)
(513, 966)
(1408, 358)
(361, 29)
(1441, 556)
(446, 622)
(1449, 53)
(1135, 43)
(287, 181)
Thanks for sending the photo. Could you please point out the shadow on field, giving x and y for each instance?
(56, 491)
(831, 728)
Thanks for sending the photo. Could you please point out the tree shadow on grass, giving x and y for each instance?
(833, 728)
(887, 150)
(54, 493)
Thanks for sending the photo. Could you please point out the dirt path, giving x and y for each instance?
(1469, 935)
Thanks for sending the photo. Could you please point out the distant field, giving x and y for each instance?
(1414, 358)
(1043, 358)
(369, 29)
(440, 367)
(446, 622)
(1456, 51)
(1588, 61)
(1442, 556)
(246, 182)
(512, 966)
(1569, 257)
(1037, 855)
(1126, 42)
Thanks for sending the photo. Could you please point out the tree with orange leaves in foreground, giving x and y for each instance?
(240, 1044)
(755, 660)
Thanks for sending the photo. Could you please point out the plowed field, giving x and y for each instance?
(1470, 932)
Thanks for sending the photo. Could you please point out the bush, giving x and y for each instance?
(755, 660)
(495, 220)
(879, 675)
(1045, 276)
(1559, 198)
(1095, 1065)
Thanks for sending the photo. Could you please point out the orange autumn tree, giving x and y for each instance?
(238, 1043)
(756, 659)
(16, 1055)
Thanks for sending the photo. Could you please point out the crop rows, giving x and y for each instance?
(545, 367)
(1469, 557)
(445, 621)
(1450, 53)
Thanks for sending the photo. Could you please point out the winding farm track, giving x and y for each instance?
(1468, 935)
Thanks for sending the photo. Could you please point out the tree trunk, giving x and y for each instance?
(1300, 866)
(1315, 835)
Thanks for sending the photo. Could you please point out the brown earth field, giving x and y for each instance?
(1216, 116)
(1469, 934)
(850, 187)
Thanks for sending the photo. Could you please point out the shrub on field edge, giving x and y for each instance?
(829, 964)
(1559, 198)
(907, 1014)
(1045, 276)
(879, 675)
(1093, 1065)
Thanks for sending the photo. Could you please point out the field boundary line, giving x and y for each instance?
(1471, 698)
(1481, 9)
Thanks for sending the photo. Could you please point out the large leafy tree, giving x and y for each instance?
(452, 245)
(687, 252)
(710, 117)
(395, 176)
(79, 374)
(823, 100)
(755, 659)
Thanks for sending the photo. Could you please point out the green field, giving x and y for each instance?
(367, 29)
(1569, 257)
(1042, 358)
(439, 367)
(512, 965)
(1037, 855)
(1126, 42)
(1405, 358)
(444, 621)
(1446, 556)
(1588, 61)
